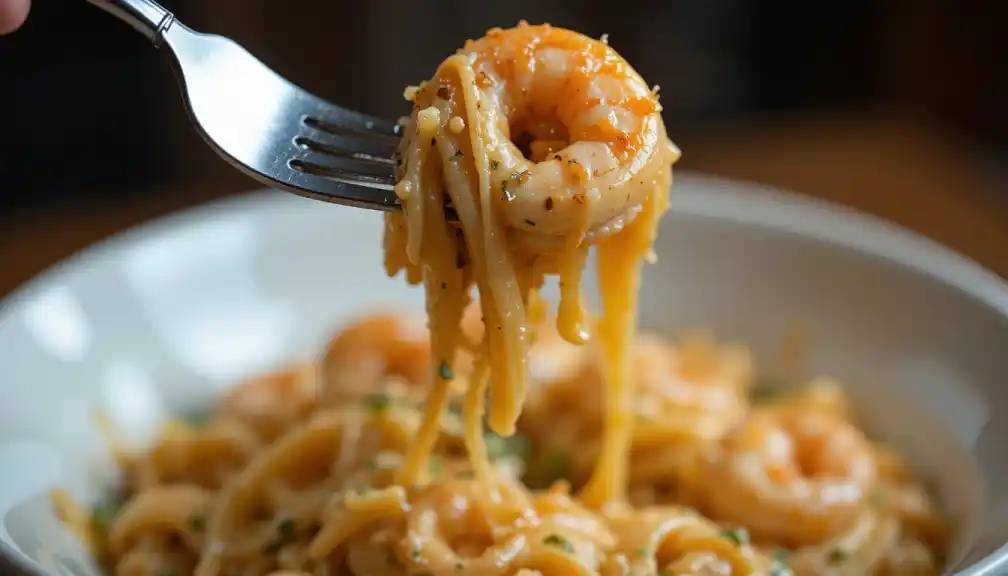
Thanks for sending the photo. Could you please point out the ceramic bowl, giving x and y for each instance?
(162, 318)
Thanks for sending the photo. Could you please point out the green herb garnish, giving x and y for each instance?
(737, 536)
(780, 567)
(435, 466)
(766, 390)
(105, 511)
(560, 542)
(445, 371)
(837, 555)
(377, 402)
(499, 447)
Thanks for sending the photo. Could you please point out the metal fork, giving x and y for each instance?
(266, 126)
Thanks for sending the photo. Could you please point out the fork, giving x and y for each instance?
(270, 129)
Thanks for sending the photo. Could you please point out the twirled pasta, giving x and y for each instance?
(379, 460)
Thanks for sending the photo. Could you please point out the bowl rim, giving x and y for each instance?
(717, 198)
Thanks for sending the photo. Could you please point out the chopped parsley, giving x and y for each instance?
(445, 371)
(434, 465)
(285, 531)
(377, 402)
(837, 556)
(459, 152)
(494, 164)
(530, 222)
(196, 522)
(105, 512)
(766, 390)
(558, 541)
(780, 567)
(643, 552)
(737, 536)
(499, 447)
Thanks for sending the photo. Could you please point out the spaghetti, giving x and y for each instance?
(649, 458)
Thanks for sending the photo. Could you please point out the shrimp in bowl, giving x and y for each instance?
(795, 476)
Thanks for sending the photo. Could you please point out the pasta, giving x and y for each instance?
(502, 439)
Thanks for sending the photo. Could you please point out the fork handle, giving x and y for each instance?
(145, 16)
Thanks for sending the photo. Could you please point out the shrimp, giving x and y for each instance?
(572, 135)
(684, 397)
(360, 358)
(794, 477)
(270, 404)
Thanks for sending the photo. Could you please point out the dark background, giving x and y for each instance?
(90, 118)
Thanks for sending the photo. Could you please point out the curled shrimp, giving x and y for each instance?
(571, 134)
(366, 353)
(797, 477)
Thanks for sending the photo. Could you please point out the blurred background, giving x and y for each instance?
(895, 108)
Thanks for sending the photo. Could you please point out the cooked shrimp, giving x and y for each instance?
(572, 135)
(371, 350)
(796, 477)
(272, 403)
(684, 396)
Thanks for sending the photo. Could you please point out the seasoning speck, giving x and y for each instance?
(196, 522)
(837, 555)
(549, 203)
(560, 542)
(286, 528)
(530, 222)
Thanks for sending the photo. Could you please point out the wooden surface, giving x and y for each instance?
(900, 170)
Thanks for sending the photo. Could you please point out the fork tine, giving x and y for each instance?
(371, 149)
(339, 120)
(349, 170)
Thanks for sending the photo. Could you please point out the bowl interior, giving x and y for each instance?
(161, 319)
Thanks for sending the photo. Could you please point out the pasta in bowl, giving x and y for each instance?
(606, 450)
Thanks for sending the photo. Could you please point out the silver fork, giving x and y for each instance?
(265, 126)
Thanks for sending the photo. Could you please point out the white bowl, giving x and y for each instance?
(162, 318)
